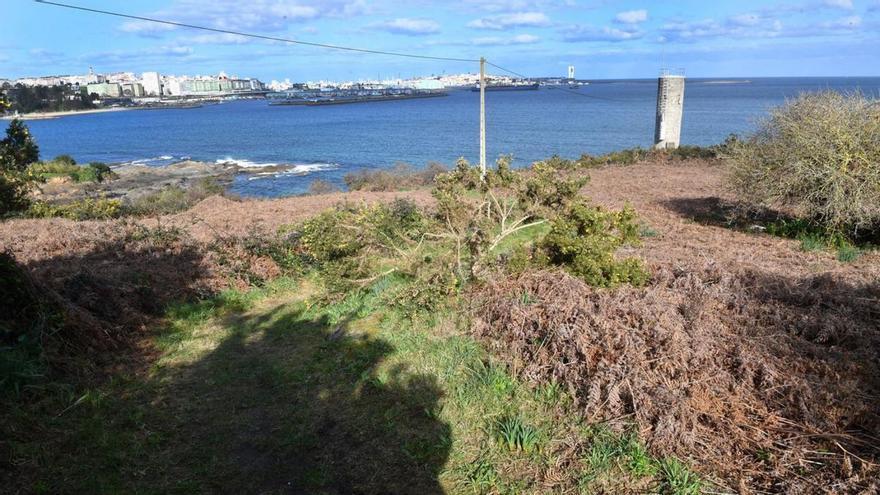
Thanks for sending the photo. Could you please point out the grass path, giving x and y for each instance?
(268, 392)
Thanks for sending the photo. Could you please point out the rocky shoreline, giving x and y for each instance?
(132, 181)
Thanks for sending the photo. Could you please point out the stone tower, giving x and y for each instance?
(670, 103)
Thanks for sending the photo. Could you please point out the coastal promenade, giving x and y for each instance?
(55, 115)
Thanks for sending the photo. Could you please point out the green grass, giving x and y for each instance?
(516, 435)
(271, 390)
(813, 242)
(678, 479)
(847, 253)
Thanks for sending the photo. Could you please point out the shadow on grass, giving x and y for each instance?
(715, 211)
(735, 215)
(289, 405)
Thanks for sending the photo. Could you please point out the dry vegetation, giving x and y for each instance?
(746, 354)
(754, 378)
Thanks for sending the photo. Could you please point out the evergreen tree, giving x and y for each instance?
(18, 149)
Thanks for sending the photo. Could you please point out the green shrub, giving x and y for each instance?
(94, 172)
(84, 209)
(54, 168)
(584, 240)
(65, 159)
(174, 198)
(330, 236)
(64, 166)
(546, 187)
(13, 193)
(18, 149)
(818, 155)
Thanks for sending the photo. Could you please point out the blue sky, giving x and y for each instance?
(603, 39)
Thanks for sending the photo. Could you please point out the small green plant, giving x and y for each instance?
(482, 477)
(646, 231)
(677, 479)
(813, 242)
(848, 253)
(516, 435)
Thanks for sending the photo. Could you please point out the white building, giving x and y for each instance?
(152, 83)
(571, 72)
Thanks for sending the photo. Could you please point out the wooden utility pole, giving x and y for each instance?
(482, 117)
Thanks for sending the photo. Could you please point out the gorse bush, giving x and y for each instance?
(347, 243)
(818, 155)
(584, 240)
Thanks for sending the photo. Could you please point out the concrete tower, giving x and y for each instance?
(670, 103)
(571, 72)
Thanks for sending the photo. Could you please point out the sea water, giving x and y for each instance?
(327, 142)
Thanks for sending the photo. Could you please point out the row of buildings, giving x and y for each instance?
(150, 84)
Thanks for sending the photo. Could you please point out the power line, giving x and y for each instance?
(556, 88)
(257, 36)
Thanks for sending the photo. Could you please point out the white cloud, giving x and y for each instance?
(631, 17)
(408, 26)
(252, 15)
(839, 4)
(520, 39)
(517, 19)
(751, 26)
(590, 33)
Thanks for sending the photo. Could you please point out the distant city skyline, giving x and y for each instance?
(602, 39)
